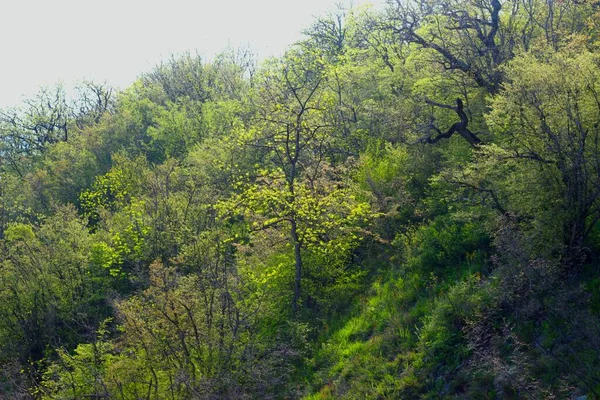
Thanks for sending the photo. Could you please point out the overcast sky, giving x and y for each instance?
(43, 42)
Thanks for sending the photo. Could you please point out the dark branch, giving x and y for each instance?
(458, 127)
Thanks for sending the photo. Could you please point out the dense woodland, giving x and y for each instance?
(404, 205)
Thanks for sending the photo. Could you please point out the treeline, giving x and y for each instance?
(403, 205)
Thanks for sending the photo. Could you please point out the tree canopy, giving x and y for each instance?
(406, 204)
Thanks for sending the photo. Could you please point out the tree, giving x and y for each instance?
(464, 36)
(293, 133)
(548, 116)
(48, 289)
(92, 102)
(471, 43)
(28, 132)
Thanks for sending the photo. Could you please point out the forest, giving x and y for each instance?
(404, 205)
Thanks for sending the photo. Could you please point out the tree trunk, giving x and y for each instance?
(298, 264)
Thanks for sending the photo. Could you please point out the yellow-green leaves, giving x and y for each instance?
(21, 232)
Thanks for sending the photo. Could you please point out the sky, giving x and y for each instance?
(44, 42)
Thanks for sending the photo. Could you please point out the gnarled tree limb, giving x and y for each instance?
(460, 127)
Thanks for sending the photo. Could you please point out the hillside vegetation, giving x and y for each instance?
(405, 205)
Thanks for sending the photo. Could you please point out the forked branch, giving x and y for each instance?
(460, 127)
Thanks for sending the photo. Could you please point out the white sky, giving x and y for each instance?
(43, 42)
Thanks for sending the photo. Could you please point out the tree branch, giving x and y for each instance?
(458, 127)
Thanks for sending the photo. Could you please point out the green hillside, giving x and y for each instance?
(405, 205)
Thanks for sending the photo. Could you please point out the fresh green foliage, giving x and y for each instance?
(406, 204)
